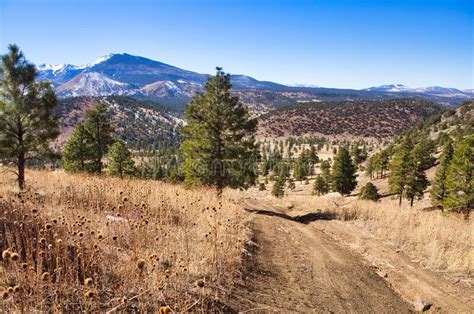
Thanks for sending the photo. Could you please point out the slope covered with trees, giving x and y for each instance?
(445, 142)
(366, 118)
(142, 124)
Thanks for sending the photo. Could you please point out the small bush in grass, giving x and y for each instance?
(369, 192)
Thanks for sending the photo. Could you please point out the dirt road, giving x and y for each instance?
(299, 266)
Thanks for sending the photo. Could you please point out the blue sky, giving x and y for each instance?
(350, 44)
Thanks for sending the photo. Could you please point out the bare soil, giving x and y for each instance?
(308, 262)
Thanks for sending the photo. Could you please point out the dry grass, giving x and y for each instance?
(96, 244)
(439, 241)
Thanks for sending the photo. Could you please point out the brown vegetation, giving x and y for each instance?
(368, 119)
(81, 243)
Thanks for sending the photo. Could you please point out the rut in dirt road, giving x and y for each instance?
(300, 270)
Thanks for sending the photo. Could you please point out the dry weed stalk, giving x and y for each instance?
(83, 243)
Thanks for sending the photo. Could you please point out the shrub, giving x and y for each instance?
(369, 192)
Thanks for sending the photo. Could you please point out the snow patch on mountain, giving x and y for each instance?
(392, 88)
(99, 60)
(92, 84)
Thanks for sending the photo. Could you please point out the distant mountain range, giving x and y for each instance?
(125, 74)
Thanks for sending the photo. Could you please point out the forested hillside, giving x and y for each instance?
(367, 118)
(140, 123)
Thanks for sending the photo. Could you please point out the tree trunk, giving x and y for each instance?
(21, 172)
(411, 201)
(400, 200)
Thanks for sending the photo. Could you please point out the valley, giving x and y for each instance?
(131, 185)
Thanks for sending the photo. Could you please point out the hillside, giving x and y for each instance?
(369, 119)
(138, 122)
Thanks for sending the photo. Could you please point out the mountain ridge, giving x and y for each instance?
(126, 74)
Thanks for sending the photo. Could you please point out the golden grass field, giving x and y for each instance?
(79, 243)
(84, 243)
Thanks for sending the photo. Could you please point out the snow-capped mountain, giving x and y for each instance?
(392, 88)
(125, 74)
(431, 90)
(58, 74)
(133, 75)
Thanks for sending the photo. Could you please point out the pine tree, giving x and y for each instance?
(369, 192)
(320, 186)
(120, 160)
(158, 172)
(459, 178)
(370, 166)
(77, 151)
(99, 130)
(439, 189)
(343, 176)
(325, 168)
(299, 172)
(27, 122)
(219, 146)
(399, 169)
(313, 155)
(420, 161)
(278, 189)
(359, 155)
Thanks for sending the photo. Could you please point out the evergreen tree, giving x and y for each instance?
(313, 155)
(459, 178)
(158, 172)
(359, 155)
(383, 161)
(120, 160)
(325, 168)
(27, 123)
(419, 162)
(278, 189)
(370, 166)
(369, 192)
(299, 172)
(343, 176)
(219, 146)
(99, 131)
(399, 169)
(77, 151)
(439, 189)
(320, 186)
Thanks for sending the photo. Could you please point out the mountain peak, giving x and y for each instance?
(100, 60)
(391, 88)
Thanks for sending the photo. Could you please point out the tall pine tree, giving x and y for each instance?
(399, 169)
(439, 189)
(320, 186)
(119, 160)
(219, 145)
(343, 177)
(77, 152)
(27, 122)
(420, 161)
(99, 129)
(459, 179)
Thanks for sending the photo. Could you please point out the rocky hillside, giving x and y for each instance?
(370, 118)
(139, 123)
